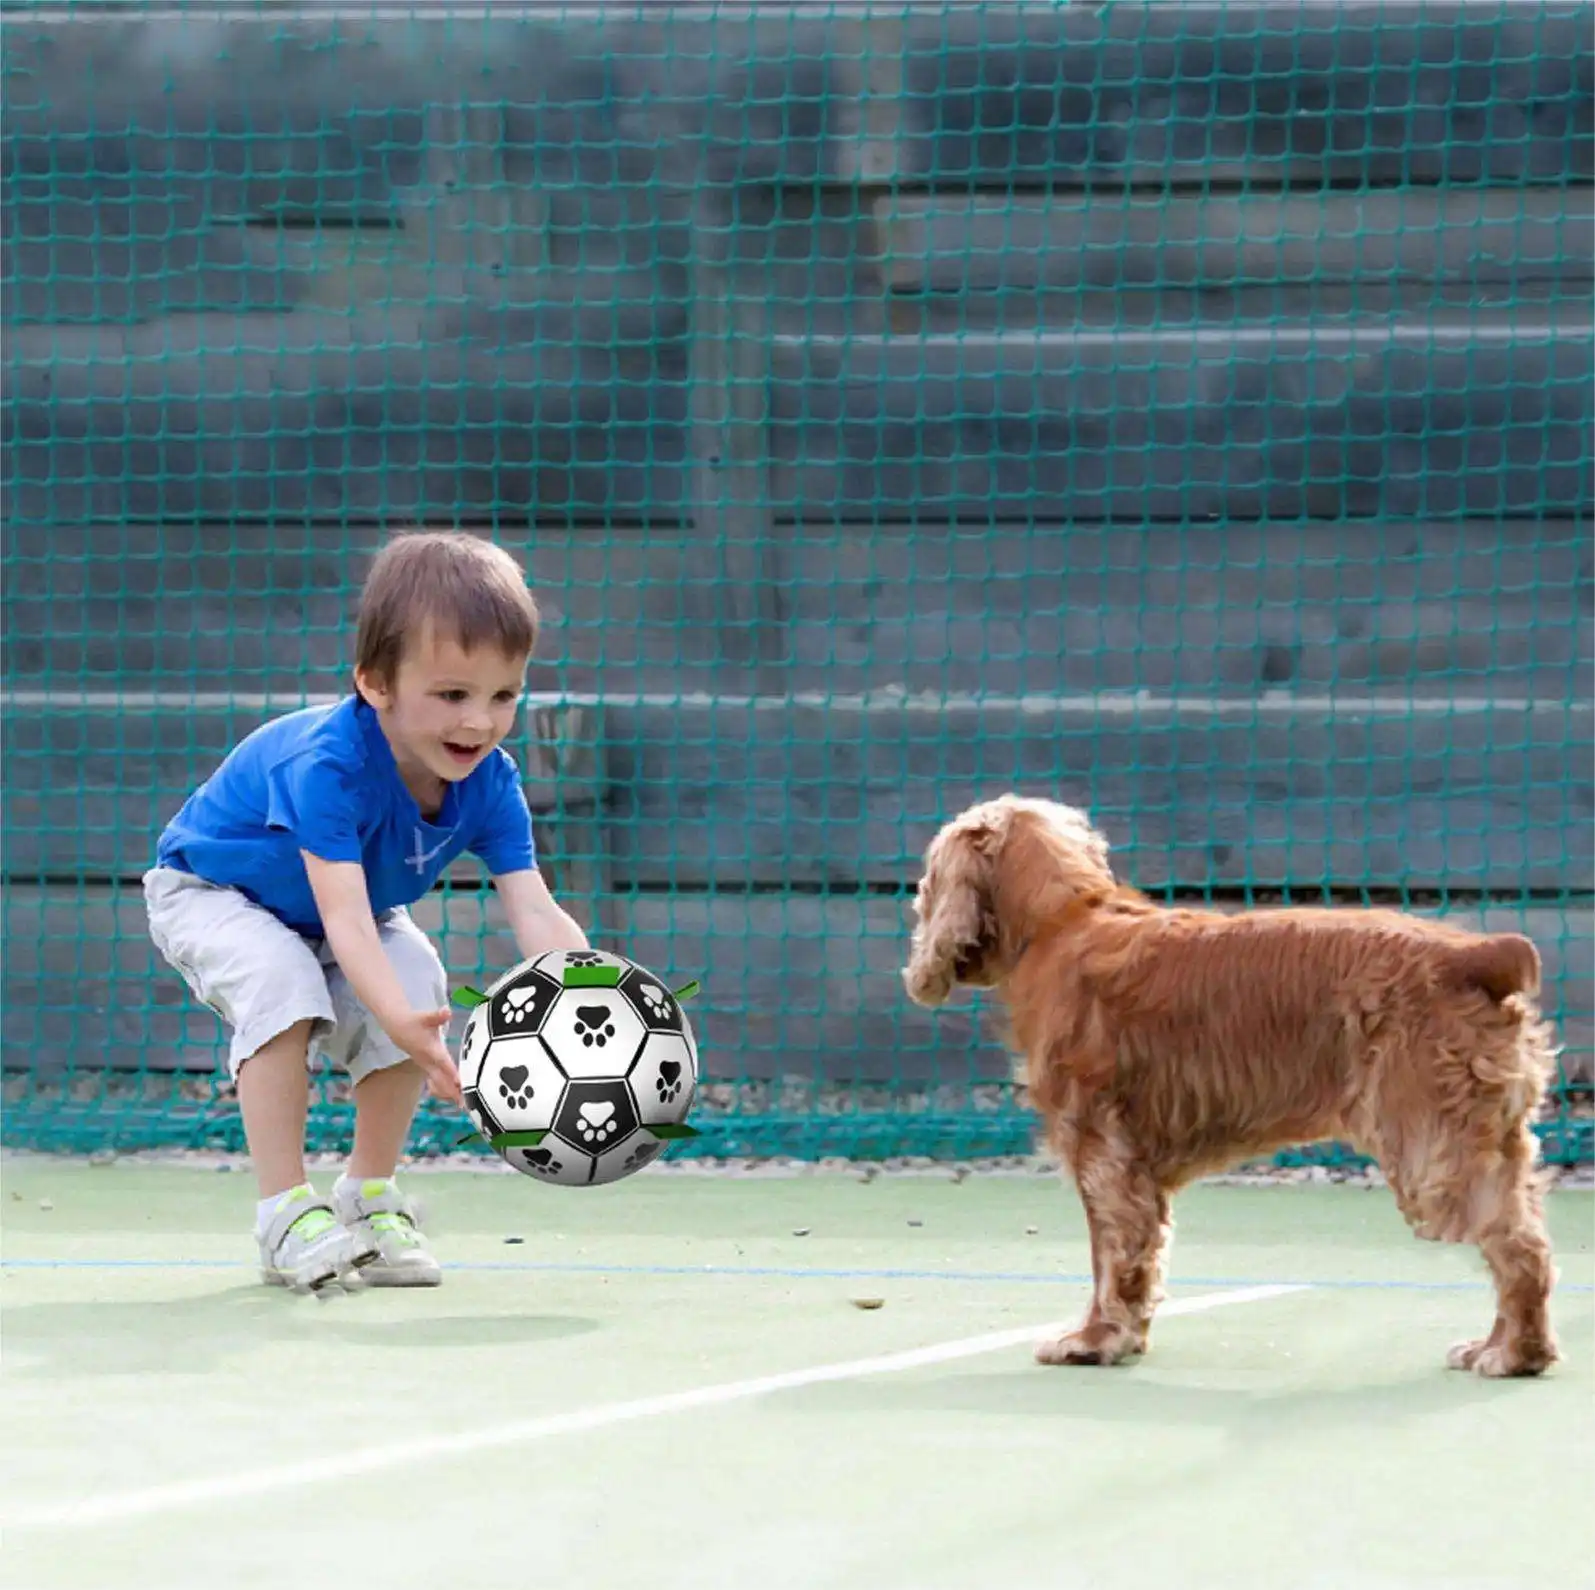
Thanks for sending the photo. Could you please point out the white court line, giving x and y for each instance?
(116, 1508)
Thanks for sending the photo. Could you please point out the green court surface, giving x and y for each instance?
(667, 1383)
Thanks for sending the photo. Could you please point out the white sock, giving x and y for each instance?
(267, 1207)
(347, 1182)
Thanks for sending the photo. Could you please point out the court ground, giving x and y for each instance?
(670, 1383)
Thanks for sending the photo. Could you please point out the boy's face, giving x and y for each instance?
(445, 708)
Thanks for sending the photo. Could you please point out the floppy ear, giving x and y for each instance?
(956, 926)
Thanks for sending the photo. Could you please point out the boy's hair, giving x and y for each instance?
(462, 587)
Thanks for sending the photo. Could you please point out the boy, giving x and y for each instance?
(280, 888)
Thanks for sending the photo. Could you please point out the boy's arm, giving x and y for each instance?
(341, 898)
(536, 919)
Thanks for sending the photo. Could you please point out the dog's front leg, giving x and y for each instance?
(1129, 1220)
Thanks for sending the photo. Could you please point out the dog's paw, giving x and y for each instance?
(1071, 1349)
(1497, 1361)
(1102, 1345)
(1503, 1363)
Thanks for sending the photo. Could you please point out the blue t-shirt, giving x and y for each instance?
(324, 780)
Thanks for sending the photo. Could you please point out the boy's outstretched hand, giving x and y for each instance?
(419, 1034)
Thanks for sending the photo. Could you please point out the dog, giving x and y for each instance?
(1161, 1045)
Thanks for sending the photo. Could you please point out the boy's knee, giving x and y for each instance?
(373, 1059)
(296, 1036)
(289, 1047)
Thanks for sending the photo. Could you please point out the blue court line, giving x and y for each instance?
(789, 1273)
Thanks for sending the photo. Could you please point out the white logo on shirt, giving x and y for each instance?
(422, 855)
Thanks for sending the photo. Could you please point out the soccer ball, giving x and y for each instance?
(577, 1056)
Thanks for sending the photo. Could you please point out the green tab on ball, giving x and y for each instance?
(502, 1140)
(592, 977)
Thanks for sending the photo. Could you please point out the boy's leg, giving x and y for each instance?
(387, 1091)
(302, 1242)
(385, 1102)
(264, 981)
(274, 1100)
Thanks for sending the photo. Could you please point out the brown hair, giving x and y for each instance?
(464, 587)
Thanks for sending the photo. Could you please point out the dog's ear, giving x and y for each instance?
(957, 927)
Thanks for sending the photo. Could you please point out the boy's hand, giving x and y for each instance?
(419, 1033)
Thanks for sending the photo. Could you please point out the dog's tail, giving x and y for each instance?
(1500, 965)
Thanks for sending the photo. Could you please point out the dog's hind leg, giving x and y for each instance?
(1489, 1194)
(1452, 1126)
(1130, 1222)
(1506, 1218)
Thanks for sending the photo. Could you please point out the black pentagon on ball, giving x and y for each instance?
(486, 1121)
(522, 1004)
(594, 1115)
(652, 1001)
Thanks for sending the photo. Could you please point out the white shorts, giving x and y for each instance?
(261, 977)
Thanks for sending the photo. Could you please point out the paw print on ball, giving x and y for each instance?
(594, 1114)
(653, 1003)
(542, 1162)
(642, 1154)
(515, 1086)
(594, 1025)
(473, 1050)
(667, 1084)
(583, 958)
(665, 1078)
(520, 1007)
(596, 1123)
(593, 1033)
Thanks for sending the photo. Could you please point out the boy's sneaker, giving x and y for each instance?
(377, 1214)
(304, 1246)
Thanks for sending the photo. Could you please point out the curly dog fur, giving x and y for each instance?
(1163, 1045)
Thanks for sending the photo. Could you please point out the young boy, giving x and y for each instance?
(280, 888)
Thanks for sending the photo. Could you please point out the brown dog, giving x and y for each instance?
(1164, 1045)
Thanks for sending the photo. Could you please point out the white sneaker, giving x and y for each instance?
(377, 1214)
(304, 1246)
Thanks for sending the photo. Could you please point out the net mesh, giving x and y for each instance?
(1181, 411)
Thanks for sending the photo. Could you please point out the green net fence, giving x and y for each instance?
(1180, 410)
